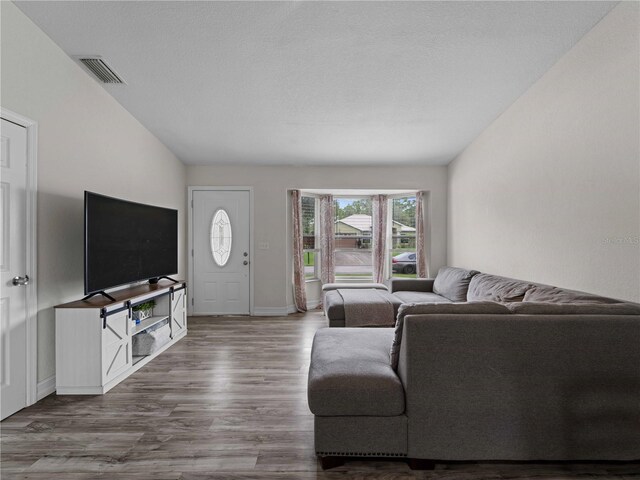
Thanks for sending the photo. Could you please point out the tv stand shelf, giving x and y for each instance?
(148, 322)
(94, 337)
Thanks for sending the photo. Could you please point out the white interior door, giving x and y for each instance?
(13, 255)
(221, 242)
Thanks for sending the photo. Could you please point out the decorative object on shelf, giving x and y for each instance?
(142, 311)
(150, 340)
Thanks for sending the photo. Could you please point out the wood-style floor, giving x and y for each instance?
(227, 402)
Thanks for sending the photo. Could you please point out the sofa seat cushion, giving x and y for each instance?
(535, 308)
(420, 297)
(549, 294)
(493, 288)
(350, 373)
(453, 283)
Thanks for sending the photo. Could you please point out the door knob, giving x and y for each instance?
(21, 281)
(245, 263)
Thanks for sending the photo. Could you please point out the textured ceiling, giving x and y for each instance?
(318, 83)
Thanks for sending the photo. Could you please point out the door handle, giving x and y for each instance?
(20, 281)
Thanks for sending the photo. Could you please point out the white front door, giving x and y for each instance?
(221, 241)
(13, 257)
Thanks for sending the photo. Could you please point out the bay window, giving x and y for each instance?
(353, 225)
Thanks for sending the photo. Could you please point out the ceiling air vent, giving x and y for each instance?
(100, 69)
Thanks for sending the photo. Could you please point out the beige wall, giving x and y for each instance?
(550, 192)
(87, 141)
(272, 268)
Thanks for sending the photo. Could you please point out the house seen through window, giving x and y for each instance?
(353, 238)
(353, 233)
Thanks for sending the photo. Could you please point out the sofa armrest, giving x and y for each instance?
(411, 285)
(515, 379)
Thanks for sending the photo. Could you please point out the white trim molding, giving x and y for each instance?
(46, 387)
(274, 311)
(32, 249)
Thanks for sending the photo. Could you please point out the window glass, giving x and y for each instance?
(403, 237)
(311, 255)
(353, 228)
(353, 237)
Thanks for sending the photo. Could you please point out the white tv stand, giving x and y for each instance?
(94, 336)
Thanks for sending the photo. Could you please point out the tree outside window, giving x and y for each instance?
(403, 237)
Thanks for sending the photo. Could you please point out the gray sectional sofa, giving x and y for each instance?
(518, 371)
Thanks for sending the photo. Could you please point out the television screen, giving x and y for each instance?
(126, 242)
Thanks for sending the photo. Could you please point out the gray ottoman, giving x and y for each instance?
(334, 309)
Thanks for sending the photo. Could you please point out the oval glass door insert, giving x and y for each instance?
(221, 238)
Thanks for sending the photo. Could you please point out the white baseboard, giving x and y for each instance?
(280, 311)
(46, 387)
(272, 311)
(313, 304)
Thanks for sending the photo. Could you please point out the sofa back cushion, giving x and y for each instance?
(536, 308)
(453, 283)
(549, 294)
(492, 288)
(470, 308)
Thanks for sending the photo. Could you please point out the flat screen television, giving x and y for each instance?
(127, 242)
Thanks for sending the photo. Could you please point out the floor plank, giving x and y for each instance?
(227, 402)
